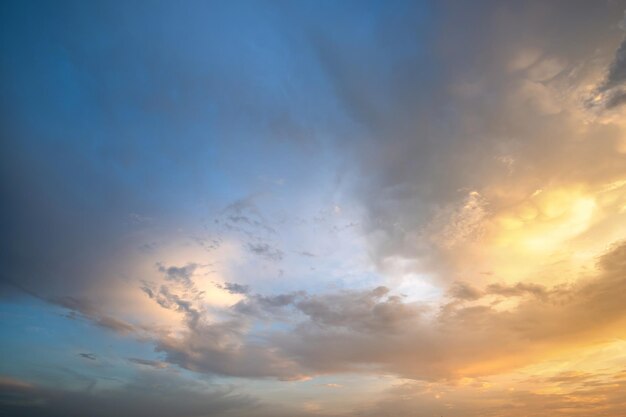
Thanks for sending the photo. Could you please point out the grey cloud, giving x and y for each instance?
(235, 288)
(266, 306)
(464, 291)
(86, 309)
(169, 300)
(441, 141)
(244, 216)
(150, 394)
(518, 289)
(613, 87)
(265, 250)
(616, 99)
(222, 348)
(617, 71)
(377, 330)
(89, 356)
(460, 336)
(148, 362)
(365, 312)
(179, 274)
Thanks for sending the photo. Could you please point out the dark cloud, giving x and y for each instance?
(89, 356)
(617, 70)
(222, 348)
(374, 312)
(616, 99)
(263, 306)
(610, 93)
(265, 250)
(234, 288)
(181, 275)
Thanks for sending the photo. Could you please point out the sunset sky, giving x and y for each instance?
(313, 209)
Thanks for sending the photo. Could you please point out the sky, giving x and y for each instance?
(312, 208)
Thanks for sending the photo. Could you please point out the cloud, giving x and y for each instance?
(432, 180)
(611, 92)
(223, 349)
(560, 395)
(378, 331)
(356, 331)
(148, 362)
(177, 274)
(517, 290)
(173, 301)
(83, 308)
(234, 288)
(480, 171)
(464, 291)
(89, 356)
(150, 394)
(265, 250)
(617, 70)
